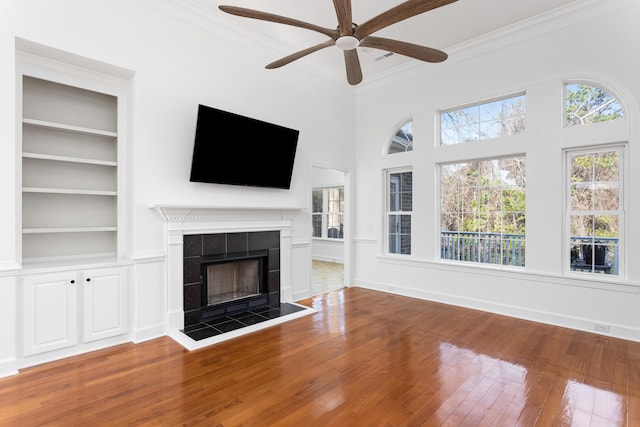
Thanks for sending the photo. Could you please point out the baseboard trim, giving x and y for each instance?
(555, 319)
(301, 295)
(148, 333)
(328, 259)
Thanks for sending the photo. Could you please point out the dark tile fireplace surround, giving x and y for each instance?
(202, 320)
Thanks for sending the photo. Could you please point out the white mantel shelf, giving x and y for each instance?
(177, 216)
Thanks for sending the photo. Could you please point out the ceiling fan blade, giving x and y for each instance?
(264, 16)
(345, 21)
(299, 54)
(396, 14)
(352, 62)
(422, 53)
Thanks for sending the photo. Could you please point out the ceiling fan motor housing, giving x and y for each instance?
(347, 42)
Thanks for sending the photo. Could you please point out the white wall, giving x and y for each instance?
(180, 57)
(8, 175)
(595, 43)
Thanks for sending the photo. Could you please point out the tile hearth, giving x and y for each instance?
(238, 321)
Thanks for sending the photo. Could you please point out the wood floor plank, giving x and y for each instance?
(364, 359)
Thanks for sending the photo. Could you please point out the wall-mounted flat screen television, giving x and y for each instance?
(238, 150)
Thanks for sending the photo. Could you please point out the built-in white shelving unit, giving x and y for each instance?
(69, 172)
(74, 281)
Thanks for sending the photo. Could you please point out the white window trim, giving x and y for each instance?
(387, 212)
(624, 184)
(325, 213)
(437, 139)
(438, 248)
(598, 84)
(390, 140)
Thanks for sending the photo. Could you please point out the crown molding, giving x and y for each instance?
(536, 26)
(201, 15)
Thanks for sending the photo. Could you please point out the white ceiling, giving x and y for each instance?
(440, 28)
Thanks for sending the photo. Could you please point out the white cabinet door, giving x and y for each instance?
(105, 303)
(50, 316)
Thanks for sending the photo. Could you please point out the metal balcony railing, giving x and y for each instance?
(487, 248)
(509, 249)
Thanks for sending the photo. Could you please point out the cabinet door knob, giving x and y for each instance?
(73, 281)
(88, 279)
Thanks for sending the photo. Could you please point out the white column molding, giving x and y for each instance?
(175, 295)
(286, 285)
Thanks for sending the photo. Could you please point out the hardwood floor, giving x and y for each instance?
(365, 359)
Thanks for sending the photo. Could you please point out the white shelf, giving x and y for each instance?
(68, 191)
(67, 230)
(68, 159)
(67, 128)
(69, 173)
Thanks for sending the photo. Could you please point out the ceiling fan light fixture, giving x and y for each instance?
(347, 42)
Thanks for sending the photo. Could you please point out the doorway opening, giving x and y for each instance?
(328, 214)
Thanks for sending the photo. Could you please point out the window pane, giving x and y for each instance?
(329, 212)
(400, 200)
(406, 192)
(403, 139)
(316, 197)
(606, 191)
(594, 248)
(513, 115)
(490, 129)
(335, 226)
(336, 199)
(483, 121)
(450, 221)
(514, 223)
(482, 207)
(594, 182)
(587, 104)
(400, 234)
(400, 192)
(316, 220)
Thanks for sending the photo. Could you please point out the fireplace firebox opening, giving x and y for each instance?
(245, 267)
(233, 282)
(228, 281)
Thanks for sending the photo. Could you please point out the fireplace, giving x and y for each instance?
(230, 273)
(231, 280)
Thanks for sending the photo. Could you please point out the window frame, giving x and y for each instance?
(409, 148)
(623, 182)
(486, 101)
(600, 86)
(388, 212)
(326, 212)
(502, 212)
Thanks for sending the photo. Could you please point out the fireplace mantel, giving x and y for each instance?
(183, 220)
(180, 217)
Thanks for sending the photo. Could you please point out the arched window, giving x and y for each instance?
(402, 141)
(586, 104)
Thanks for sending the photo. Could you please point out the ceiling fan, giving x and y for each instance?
(348, 36)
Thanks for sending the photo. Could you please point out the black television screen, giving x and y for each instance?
(238, 150)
